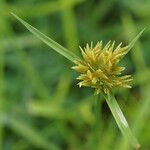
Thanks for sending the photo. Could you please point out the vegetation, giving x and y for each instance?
(41, 107)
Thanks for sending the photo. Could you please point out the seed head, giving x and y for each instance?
(99, 69)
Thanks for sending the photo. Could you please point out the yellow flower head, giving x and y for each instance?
(99, 69)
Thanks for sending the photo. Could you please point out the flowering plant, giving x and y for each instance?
(98, 69)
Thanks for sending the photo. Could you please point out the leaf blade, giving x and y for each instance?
(121, 120)
(134, 40)
(48, 41)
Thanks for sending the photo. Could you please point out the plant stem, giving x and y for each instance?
(121, 121)
(97, 111)
(97, 126)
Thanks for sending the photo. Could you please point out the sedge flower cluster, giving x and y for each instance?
(99, 68)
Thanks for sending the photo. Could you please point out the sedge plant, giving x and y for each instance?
(98, 69)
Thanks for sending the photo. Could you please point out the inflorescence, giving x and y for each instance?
(99, 68)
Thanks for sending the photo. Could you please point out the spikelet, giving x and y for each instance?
(99, 69)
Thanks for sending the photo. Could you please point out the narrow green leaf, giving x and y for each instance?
(51, 43)
(121, 120)
(134, 40)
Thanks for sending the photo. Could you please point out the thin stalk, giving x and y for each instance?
(97, 111)
(97, 126)
(3, 29)
(120, 120)
(1, 93)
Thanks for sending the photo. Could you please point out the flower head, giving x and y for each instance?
(99, 68)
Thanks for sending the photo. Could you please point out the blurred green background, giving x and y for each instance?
(41, 106)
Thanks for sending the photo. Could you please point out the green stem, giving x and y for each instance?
(96, 128)
(121, 121)
(97, 111)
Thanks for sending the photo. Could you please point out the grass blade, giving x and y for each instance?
(121, 121)
(51, 43)
(134, 40)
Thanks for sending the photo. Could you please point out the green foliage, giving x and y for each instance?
(58, 48)
(41, 107)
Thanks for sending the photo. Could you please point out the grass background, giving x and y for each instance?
(41, 107)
